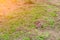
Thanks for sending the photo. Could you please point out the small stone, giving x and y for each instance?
(38, 24)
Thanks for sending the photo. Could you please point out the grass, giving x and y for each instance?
(28, 17)
(26, 38)
(43, 36)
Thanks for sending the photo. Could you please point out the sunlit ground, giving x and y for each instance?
(29, 20)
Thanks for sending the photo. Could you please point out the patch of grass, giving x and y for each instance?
(50, 21)
(53, 14)
(32, 26)
(16, 35)
(26, 38)
(43, 36)
(44, 26)
(4, 36)
(53, 8)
